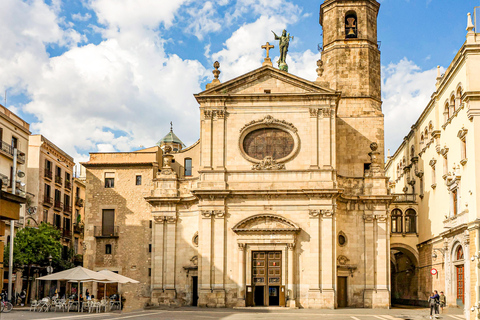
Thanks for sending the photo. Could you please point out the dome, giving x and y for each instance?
(170, 138)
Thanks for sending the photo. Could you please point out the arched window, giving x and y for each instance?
(459, 253)
(188, 167)
(459, 96)
(426, 133)
(422, 138)
(412, 151)
(446, 113)
(351, 27)
(396, 221)
(430, 126)
(410, 221)
(452, 105)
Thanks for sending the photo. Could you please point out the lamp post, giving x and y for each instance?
(49, 268)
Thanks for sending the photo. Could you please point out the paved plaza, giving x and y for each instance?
(241, 314)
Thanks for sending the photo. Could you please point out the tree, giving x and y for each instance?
(33, 246)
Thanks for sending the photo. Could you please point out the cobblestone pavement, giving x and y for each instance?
(241, 314)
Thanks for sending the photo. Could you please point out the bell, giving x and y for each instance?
(350, 32)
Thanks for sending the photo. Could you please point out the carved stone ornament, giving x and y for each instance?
(268, 120)
(208, 114)
(171, 219)
(381, 217)
(314, 213)
(314, 112)
(213, 213)
(320, 68)
(195, 239)
(268, 223)
(268, 164)
(368, 217)
(194, 260)
(342, 260)
(432, 163)
(159, 219)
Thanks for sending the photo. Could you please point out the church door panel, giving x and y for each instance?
(342, 292)
(194, 291)
(267, 278)
(460, 286)
(282, 296)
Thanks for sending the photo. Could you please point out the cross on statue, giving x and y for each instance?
(267, 47)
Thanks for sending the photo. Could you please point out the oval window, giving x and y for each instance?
(341, 239)
(268, 142)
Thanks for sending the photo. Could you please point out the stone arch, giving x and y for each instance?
(410, 252)
(266, 223)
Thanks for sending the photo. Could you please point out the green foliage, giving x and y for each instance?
(34, 245)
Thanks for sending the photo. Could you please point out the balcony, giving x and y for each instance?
(78, 228)
(58, 180)
(48, 174)
(68, 185)
(7, 150)
(58, 205)
(67, 234)
(47, 201)
(67, 208)
(404, 198)
(100, 232)
(79, 202)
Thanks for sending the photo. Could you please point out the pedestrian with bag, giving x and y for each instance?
(432, 303)
(443, 301)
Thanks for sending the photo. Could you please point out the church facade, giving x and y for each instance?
(281, 202)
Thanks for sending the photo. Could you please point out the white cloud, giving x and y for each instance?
(80, 17)
(406, 90)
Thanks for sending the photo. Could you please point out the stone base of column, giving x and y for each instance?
(165, 297)
(212, 299)
(328, 299)
(291, 303)
(368, 298)
(381, 299)
(314, 299)
(241, 303)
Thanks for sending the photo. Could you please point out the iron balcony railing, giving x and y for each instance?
(67, 208)
(404, 197)
(47, 201)
(68, 185)
(104, 232)
(8, 149)
(58, 179)
(66, 233)
(48, 174)
(58, 205)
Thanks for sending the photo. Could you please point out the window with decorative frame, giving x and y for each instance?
(397, 218)
(410, 221)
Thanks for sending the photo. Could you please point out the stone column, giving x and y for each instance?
(219, 257)
(158, 254)
(328, 272)
(369, 254)
(290, 277)
(314, 260)
(205, 254)
(206, 155)
(382, 265)
(467, 285)
(219, 139)
(170, 254)
(241, 275)
(314, 130)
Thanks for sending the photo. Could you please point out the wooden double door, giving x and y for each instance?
(267, 288)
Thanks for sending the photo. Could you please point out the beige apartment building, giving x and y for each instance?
(50, 179)
(14, 134)
(281, 202)
(435, 217)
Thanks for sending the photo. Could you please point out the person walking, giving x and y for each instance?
(443, 301)
(437, 299)
(432, 303)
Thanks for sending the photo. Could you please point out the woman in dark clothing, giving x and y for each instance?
(432, 303)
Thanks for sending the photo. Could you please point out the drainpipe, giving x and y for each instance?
(12, 231)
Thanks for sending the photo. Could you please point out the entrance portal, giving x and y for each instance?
(342, 292)
(194, 291)
(267, 278)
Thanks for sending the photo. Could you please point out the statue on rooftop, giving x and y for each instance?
(284, 43)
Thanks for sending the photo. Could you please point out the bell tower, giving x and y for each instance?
(351, 62)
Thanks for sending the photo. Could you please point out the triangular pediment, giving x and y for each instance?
(267, 78)
(265, 223)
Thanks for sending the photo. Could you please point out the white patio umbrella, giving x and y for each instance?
(77, 274)
(119, 279)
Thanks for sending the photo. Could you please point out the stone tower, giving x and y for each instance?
(351, 61)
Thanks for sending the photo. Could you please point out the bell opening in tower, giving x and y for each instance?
(351, 30)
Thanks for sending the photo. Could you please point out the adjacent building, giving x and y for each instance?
(14, 134)
(50, 179)
(435, 217)
(281, 202)
(78, 218)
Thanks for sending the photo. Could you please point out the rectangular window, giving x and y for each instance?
(67, 224)
(464, 148)
(138, 180)
(455, 202)
(1, 134)
(188, 167)
(150, 247)
(14, 142)
(75, 245)
(65, 253)
(151, 223)
(108, 222)
(45, 215)
(149, 272)
(58, 171)
(109, 179)
(57, 221)
(434, 176)
(445, 165)
(47, 191)
(48, 165)
(67, 176)
(108, 249)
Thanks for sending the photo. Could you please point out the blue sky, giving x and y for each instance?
(109, 75)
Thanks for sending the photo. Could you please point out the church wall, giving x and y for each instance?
(130, 251)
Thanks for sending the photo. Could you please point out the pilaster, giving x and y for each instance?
(328, 261)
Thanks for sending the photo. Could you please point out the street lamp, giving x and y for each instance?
(49, 268)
